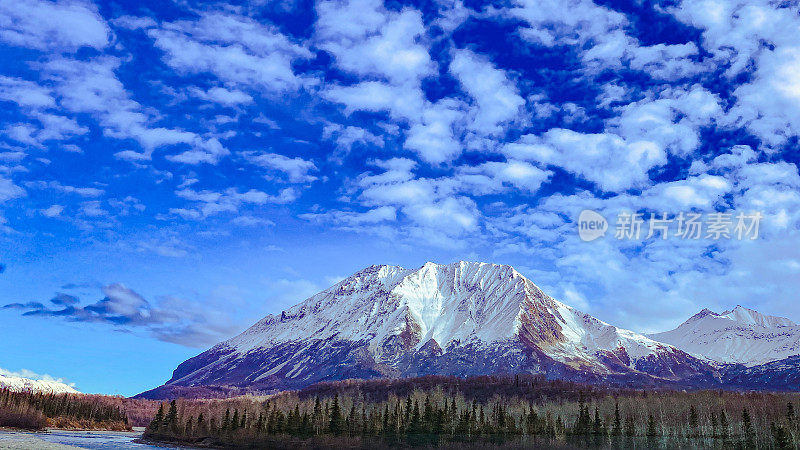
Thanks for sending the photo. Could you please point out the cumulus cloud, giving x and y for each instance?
(234, 48)
(47, 25)
(296, 169)
(222, 96)
(369, 40)
(497, 98)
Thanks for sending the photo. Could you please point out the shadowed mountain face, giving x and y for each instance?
(460, 319)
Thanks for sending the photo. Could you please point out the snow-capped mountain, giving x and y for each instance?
(459, 319)
(22, 384)
(740, 336)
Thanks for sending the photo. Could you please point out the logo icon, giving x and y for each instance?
(591, 225)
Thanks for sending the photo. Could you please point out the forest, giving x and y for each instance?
(36, 411)
(482, 411)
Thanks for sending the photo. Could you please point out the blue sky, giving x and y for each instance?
(170, 172)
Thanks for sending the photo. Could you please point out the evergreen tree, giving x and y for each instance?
(335, 424)
(409, 406)
(350, 422)
(172, 417)
(235, 420)
(630, 426)
(747, 430)
(694, 421)
(415, 424)
(714, 425)
(781, 437)
(597, 427)
(226, 421)
(317, 417)
(201, 424)
(651, 426)
(158, 420)
(617, 421)
(790, 412)
(723, 425)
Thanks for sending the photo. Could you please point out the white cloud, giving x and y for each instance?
(433, 137)
(574, 22)
(368, 40)
(756, 36)
(348, 136)
(235, 49)
(53, 211)
(66, 189)
(210, 203)
(497, 97)
(49, 25)
(25, 93)
(9, 190)
(296, 169)
(222, 96)
(605, 159)
(205, 151)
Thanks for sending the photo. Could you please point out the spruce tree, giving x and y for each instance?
(597, 428)
(630, 426)
(651, 426)
(790, 412)
(617, 421)
(694, 421)
(201, 424)
(781, 437)
(723, 425)
(714, 425)
(335, 424)
(747, 430)
(235, 420)
(226, 421)
(158, 420)
(317, 417)
(172, 417)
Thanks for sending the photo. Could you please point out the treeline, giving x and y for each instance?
(35, 411)
(439, 417)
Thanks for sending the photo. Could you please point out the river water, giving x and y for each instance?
(58, 439)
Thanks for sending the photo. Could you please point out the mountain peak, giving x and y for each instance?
(704, 313)
(462, 318)
(750, 316)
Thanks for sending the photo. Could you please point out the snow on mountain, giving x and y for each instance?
(14, 382)
(461, 319)
(739, 336)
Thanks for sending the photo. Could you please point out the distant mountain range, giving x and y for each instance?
(740, 336)
(468, 319)
(22, 384)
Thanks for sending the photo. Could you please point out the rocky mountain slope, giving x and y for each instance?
(459, 319)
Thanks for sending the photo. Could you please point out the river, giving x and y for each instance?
(59, 439)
